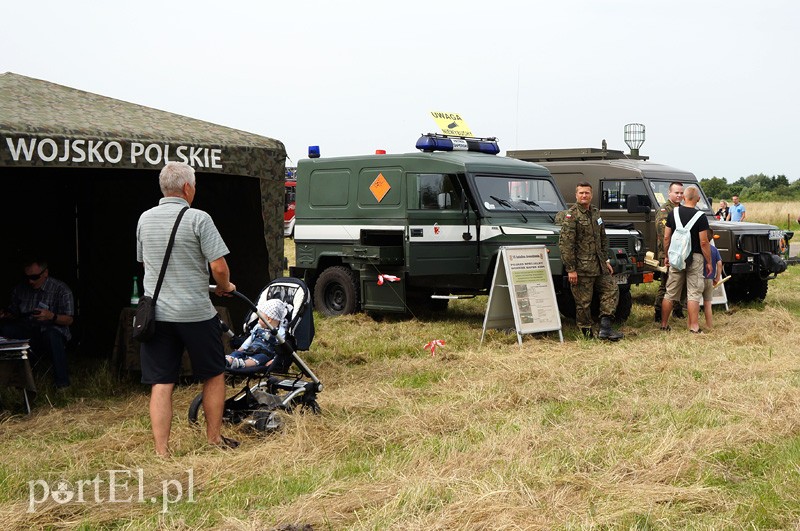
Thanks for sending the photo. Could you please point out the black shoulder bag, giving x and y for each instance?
(144, 321)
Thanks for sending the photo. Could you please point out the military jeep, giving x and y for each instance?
(384, 233)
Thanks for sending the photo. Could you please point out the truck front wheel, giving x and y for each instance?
(624, 305)
(746, 288)
(336, 292)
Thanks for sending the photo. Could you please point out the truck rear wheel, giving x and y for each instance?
(421, 303)
(566, 305)
(746, 288)
(336, 292)
(624, 305)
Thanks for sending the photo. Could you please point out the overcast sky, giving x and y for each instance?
(715, 82)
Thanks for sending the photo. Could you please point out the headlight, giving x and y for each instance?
(638, 245)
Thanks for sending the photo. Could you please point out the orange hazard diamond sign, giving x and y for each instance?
(379, 187)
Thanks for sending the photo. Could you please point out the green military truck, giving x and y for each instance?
(385, 232)
(630, 189)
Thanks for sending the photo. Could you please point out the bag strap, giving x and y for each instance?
(679, 224)
(167, 253)
(693, 220)
(677, 213)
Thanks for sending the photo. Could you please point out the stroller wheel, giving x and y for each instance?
(267, 421)
(311, 406)
(195, 408)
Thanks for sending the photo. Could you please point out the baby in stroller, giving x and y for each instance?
(259, 348)
(287, 383)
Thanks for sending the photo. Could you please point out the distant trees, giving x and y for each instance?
(758, 187)
(716, 187)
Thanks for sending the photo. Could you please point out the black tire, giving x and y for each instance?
(566, 305)
(746, 288)
(336, 292)
(267, 421)
(195, 409)
(421, 303)
(439, 305)
(624, 305)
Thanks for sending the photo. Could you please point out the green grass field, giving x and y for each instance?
(658, 431)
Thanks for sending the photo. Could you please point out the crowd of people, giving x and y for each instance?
(42, 307)
(689, 283)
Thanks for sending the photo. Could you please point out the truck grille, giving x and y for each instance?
(620, 241)
(758, 243)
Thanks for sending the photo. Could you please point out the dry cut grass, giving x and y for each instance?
(780, 214)
(660, 430)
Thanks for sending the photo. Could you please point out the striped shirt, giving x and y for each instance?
(184, 296)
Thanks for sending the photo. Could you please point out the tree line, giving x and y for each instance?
(753, 188)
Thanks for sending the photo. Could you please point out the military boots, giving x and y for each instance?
(606, 332)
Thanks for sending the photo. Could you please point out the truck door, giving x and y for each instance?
(441, 236)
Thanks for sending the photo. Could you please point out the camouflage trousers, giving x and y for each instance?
(584, 291)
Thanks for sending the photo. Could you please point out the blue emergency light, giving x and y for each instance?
(436, 142)
(313, 152)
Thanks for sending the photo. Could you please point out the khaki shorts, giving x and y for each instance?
(708, 290)
(692, 276)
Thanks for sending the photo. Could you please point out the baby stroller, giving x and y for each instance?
(288, 383)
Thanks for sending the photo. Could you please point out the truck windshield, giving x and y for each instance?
(661, 191)
(517, 193)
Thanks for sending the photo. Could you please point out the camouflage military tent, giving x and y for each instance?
(79, 168)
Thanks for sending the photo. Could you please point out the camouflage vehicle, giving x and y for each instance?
(630, 189)
(385, 232)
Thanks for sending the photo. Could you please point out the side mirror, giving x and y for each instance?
(635, 207)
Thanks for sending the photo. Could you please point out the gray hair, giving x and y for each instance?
(173, 176)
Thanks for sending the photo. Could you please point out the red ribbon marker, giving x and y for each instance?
(387, 278)
(431, 345)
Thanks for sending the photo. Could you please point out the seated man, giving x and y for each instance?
(41, 310)
(259, 348)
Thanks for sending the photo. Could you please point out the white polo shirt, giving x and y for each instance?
(184, 296)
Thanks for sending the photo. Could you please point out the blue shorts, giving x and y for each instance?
(161, 356)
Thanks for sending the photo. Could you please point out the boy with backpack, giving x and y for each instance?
(688, 256)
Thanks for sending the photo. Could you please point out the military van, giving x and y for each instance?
(384, 233)
(630, 189)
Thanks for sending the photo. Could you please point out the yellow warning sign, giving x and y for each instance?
(451, 123)
(379, 187)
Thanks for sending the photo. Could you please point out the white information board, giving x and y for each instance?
(719, 296)
(522, 295)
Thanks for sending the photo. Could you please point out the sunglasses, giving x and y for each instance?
(37, 276)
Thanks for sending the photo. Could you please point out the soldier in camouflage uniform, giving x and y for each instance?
(675, 198)
(584, 252)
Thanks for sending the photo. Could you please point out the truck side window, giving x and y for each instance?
(614, 194)
(437, 191)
